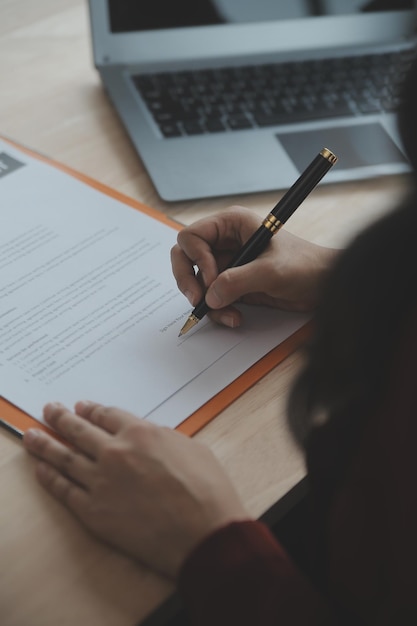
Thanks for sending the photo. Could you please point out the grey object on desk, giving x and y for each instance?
(295, 74)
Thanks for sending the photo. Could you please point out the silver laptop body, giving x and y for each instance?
(259, 157)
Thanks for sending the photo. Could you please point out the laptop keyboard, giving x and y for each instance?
(236, 98)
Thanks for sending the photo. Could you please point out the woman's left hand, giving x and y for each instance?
(147, 490)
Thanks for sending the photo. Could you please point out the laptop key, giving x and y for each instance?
(193, 127)
(270, 119)
(238, 122)
(164, 117)
(170, 130)
(369, 106)
(215, 126)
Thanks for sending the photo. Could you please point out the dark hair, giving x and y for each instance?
(366, 302)
(365, 305)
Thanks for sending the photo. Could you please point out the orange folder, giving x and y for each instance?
(221, 400)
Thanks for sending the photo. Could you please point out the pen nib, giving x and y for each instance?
(189, 324)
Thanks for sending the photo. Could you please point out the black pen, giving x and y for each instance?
(11, 429)
(291, 200)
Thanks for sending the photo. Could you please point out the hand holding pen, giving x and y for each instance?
(285, 272)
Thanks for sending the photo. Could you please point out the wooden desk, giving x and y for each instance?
(51, 571)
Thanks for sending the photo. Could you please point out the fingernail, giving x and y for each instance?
(31, 435)
(51, 409)
(81, 405)
(229, 320)
(189, 296)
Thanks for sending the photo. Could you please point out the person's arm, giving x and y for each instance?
(147, 490)
(241, 575)
(164, 499)
(287, 275)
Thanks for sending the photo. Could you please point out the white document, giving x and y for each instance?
(89, 308)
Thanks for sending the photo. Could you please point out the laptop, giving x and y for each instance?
(224, 97)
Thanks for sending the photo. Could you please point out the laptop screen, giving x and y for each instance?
(130, 16)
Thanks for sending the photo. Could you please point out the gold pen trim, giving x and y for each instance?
(272, 223)
(329, 155)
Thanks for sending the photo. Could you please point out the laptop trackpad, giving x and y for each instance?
(356, 146)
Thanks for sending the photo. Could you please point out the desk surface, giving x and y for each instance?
(52, 572)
